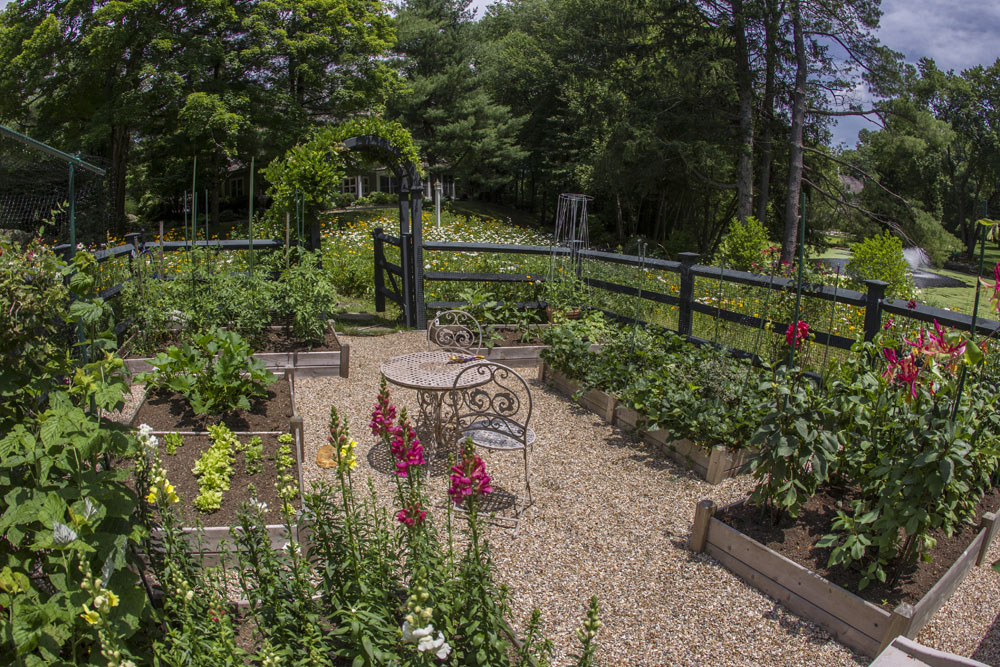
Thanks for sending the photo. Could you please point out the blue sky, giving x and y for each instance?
(957, 34)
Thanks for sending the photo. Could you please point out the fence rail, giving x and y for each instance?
(872, 301)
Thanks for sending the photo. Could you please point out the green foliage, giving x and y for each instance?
(69, 523)
(171, 441)
(565, 291)
(700, 393)
(745, 245)
(214, 468)
(307, 296)
(881, 258)
(215, 372)
(796, 446)
(253, 455)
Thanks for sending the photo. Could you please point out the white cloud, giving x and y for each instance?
(957, 35)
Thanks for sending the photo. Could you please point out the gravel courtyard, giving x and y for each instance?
(611, 517)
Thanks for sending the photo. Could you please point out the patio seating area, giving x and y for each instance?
(610, 516)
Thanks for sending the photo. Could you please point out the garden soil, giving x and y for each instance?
(178, 468)
(168, 411)
(794, 540)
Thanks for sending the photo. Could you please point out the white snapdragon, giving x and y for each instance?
(425, 640)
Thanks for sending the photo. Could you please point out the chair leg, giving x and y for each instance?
(527, 478)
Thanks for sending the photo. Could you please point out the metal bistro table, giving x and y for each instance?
(432, 374)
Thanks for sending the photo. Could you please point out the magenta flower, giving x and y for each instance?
(405, 447)
(469, 480)
(411, 515)
(797, 333)
(383, 413)
(889, 323)
(911, 304)
(995, 286)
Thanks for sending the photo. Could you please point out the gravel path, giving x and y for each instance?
(611, 518)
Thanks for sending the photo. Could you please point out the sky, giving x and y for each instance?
(957, 34)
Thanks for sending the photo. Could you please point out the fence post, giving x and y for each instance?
(873, 307)
(688, 259)
(379, 268)
(405, 259)
(133, 240)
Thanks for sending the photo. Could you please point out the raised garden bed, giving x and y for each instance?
(713, 464)
(280, 351)
(169, 412)
(863, 625)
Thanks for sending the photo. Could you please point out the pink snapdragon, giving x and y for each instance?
(383, 413)
(411, 515)
(405, 447)
(797, 333)
(469, 480)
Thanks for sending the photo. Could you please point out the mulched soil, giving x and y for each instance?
(178, 467)
(276, 339)
(168, 411)
(281, 340)
(794, 539)
(512, 337)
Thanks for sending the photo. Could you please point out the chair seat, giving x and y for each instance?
(495, 439)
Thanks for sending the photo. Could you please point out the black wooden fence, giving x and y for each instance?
(873, 301)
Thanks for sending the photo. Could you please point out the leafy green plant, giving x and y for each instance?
(253, 453)
(307, 295)
(214, 468)
(171, 441)
(881, 258)
(745, 245)
(564, 291)
(70, 521)
(215, 372)
(796, 448)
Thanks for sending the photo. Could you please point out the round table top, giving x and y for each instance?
(429, 371)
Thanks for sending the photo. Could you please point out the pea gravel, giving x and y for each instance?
(611, 517)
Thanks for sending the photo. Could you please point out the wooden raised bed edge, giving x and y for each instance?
(305, 363)
(857, 623)
(207, 539)
(714, 464)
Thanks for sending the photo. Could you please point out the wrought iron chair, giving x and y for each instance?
(494, 409)
(455, 331)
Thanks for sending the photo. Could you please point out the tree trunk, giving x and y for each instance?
(120, 136)
(744, 86)
(767, 111)
(795, 153)
(619, 223)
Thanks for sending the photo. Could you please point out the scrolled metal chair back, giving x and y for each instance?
(455, 331)
(495, 398)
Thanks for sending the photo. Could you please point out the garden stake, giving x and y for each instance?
(833, 312)
(798, 281)
(250, 217)
(638, 298)
(194, 194)
(718, 308)
(185, 220)
(975, 314)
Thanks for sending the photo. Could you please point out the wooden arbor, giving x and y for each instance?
(411, 193)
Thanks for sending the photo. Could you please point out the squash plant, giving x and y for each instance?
(214, 371)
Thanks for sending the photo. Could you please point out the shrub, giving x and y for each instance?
(881, 258)
(744, 246)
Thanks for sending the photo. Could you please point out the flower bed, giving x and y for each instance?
(863, 626)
